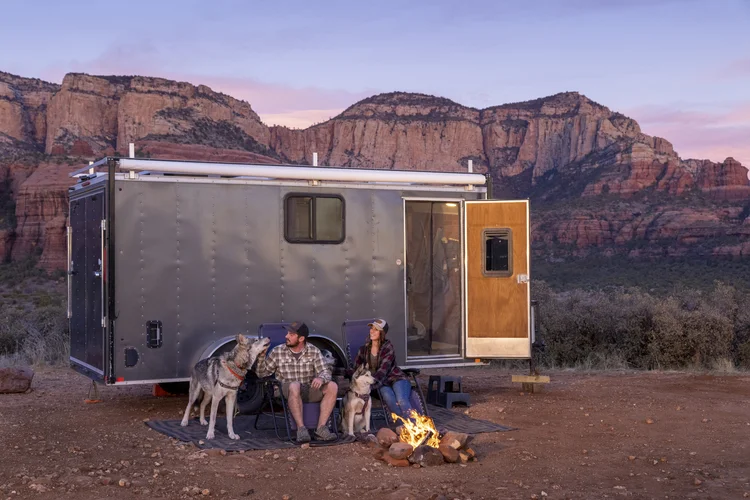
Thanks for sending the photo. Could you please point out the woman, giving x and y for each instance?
(379, 357)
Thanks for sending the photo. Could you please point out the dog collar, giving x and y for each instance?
(225, 386)
(239, 377)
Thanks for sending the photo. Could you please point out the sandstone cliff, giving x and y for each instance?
(94, 116)
(597, 183)
(529, 147)
(23, 109)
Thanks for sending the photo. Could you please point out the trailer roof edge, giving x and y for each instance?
(302, 172)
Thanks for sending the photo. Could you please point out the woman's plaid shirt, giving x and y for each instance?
(287, 368)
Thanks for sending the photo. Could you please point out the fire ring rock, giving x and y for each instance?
(427, 456)
(387, 437)
(400, 451)
(15, 379)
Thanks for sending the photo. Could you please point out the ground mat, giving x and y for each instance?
(253, 439)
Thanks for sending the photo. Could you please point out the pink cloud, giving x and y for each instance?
(737, 69)
(703, 134)
(270, 98)
(299, 119)
(286, 104)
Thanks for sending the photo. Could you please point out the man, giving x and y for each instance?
(304, 376)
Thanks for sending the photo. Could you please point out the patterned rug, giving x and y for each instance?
(253, 439)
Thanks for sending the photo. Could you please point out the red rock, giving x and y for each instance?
(400, 451)
(455, 440)
(426, 456)
(386, 437)
(395, 462)
(450, 454)
(563, 147)
(41, 215)
(15, 379)
(23, 107)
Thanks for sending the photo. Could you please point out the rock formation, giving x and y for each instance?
(597, 183)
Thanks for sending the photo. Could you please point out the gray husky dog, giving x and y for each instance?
(357, 403)
(219, 377)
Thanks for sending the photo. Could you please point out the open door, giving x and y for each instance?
(497, 279)
(86, 258)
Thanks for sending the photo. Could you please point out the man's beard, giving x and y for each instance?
(290, 344)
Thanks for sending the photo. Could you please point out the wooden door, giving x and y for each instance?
(497, 279)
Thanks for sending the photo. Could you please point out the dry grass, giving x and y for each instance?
(631, 329)
(33, 320)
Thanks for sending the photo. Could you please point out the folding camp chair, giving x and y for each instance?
(356, 333)
(273, 395)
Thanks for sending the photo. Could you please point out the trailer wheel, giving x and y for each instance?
(324, 343)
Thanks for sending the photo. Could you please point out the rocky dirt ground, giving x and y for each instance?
(605, 435)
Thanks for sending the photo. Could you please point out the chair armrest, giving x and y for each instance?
(270, 380)
(410, 371)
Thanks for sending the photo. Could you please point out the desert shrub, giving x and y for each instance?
(743, 355)
(684, 336)
(594, 328)
(38, 336)
(18, 271)
(618, 328)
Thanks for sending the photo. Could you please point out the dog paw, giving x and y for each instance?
(204, 422)
(234, 436)
(184, 423)
(210, 435)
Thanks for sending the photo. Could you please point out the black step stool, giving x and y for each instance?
(445, 391)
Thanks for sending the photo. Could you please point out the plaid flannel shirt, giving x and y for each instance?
(387, 372)
(282, 363)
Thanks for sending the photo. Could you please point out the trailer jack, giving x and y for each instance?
(96, 398)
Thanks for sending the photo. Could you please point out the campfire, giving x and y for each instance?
(418, 430)
(420, 443)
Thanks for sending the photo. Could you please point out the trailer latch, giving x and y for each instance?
(153, 334)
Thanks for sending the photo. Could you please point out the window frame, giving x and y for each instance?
(313, 219)
(493, 232)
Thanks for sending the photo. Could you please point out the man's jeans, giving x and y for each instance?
(396, 397)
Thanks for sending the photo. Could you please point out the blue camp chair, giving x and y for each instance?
(356, 333)
(273, 395)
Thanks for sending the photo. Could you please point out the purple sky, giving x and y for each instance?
(679, 67)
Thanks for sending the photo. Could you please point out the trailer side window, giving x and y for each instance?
(498, 252)
(314, 219)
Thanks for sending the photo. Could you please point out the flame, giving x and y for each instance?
(418, 429)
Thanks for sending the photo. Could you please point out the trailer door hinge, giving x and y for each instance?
(104, 224)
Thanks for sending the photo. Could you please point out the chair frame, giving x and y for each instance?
(269, 386)
(412, 373)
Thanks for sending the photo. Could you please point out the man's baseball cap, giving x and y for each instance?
(380, 324)
(299, 328)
